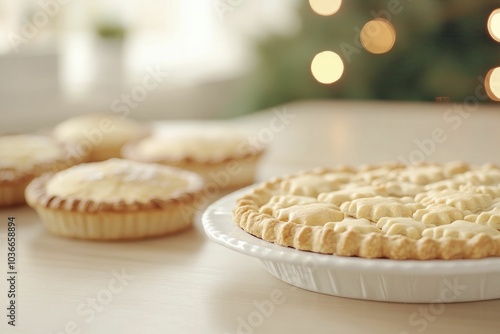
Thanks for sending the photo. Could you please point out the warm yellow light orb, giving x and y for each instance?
(325, 7)
(378, 36)
(492, 84)
(327, 67)
(494, 24)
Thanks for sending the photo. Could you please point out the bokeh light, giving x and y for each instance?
(325, 7)
(494, 24)
(378, 36)
(327, 67)
(492, 84)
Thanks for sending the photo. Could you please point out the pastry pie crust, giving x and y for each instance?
(86, 218)
(233, 169)
(427, 211)
(102, 134)
(14, 178)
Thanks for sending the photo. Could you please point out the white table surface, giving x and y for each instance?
(188, 284)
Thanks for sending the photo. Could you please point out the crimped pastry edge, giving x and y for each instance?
(129, 151)
(88, 219)
(247, 163)
(13, 182)
(104, 150)
(12, 175)
(323, 240)
(36, 195)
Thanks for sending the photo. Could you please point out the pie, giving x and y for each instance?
(427, 211)
(101, 135)
(26, 156)
(224, 158)
(115, 199)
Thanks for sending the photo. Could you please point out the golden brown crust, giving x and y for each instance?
(116, 226)
(130, 151)
(36, 195)
(13, 181)
(110, 142)
(236, 170)
(353, 243)
(12, 193)
(35, 169)
(115, 220)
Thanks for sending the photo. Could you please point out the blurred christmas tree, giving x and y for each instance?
(442, 49)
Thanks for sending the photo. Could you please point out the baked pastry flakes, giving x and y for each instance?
(116, 199)
(428, 211)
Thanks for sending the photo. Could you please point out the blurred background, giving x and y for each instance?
(222, 58)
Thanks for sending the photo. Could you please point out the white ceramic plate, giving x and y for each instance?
(409, 281)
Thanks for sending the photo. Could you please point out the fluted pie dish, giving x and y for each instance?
(408, 281)
(382, 279)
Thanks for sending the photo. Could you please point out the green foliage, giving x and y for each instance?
(442, 48)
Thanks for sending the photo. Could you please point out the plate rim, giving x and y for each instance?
(219, 226)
